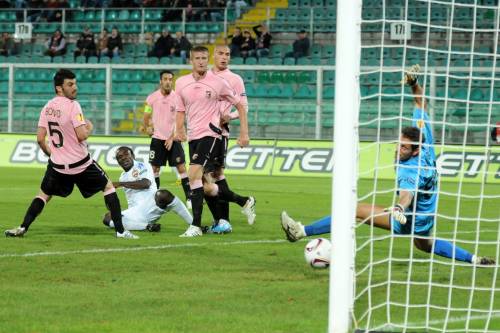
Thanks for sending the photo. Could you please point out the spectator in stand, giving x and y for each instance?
(162, 46)
(102, 46)
(54, 14)
(248, 46)
(7, 46)
(300, 46)
(236, 41)
(115, 45)
(263, 42)
(56, 45)
(495, 133)
(85, 45)
(181, 46)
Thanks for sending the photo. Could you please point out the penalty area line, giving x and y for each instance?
(140, 248)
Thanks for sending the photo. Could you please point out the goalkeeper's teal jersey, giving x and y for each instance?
(418, 175)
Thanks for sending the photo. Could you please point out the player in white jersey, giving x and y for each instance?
(146, 203)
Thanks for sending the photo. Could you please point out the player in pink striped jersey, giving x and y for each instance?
(217, 193)
(159, 123)
(199, 100)
(70, 162)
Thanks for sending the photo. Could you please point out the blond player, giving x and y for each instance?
(199, 96)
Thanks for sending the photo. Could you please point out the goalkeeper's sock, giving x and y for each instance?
(445, 249)
(113, 203)
(319, 227)
(33, 211)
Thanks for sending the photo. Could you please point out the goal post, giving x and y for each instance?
(348, 52)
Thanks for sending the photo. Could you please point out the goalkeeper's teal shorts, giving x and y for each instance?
(423, 226)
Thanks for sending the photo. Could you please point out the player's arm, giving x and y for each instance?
(243, 139)
(141, 184)
(405, 199)
(180, 129)
(83, 131)
(147, 121)
(40, 138)
(411, 79)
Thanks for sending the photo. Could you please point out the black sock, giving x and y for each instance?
(226, 194)
(197, 203)
(185, 186)
(113, 203)
(34, 210)
(212, 203)
(157, 181)
(223, 209)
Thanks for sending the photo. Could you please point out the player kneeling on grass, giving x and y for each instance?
(146, 204)
(417, 192)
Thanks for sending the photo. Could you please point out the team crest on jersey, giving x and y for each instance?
(135, 173)
(208, 94)
(195, 156)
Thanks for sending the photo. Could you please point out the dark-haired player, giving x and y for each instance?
(159, 123)
(415, 211)
(146, 203)
(70, 164)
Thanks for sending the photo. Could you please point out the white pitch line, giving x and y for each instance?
(392, 327)
(135, 249)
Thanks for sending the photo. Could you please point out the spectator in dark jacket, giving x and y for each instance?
(236, 41)
(56, 45)
(85, 45)
(181, 46)
(162, 46)
(263, 42)
(248, 45)
(300, 46)
(7, 46)
(115, 45)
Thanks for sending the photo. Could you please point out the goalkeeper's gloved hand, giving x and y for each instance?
(411, 75)
(398, 213)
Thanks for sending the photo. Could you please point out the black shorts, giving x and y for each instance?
(219, 158)
(203, 151)
(159, 155)
(89, 181)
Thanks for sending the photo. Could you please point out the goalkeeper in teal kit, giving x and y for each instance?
(415, 211)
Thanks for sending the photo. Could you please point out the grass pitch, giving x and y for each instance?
(69, 273)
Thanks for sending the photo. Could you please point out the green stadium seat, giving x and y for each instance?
(289, 61)
(165, 60)
(304, 61)
(237, 61)
(251, 61)
(264, 61)
(287, 91)
(305, 92)
(153, 15)
(123, 15)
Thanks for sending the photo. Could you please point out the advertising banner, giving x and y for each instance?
(278, 157)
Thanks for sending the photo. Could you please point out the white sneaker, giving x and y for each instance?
(16, 232)
(192, 231)
(293, 230)
(126, 234)
(189, 205)
(249, 210)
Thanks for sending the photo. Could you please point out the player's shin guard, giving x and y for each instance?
(33, 211)
(113, 203)
(185, 186)
(226, 194)
(319, 227)
(445, 249)
(197, 202)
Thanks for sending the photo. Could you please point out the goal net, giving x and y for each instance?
(397, 286)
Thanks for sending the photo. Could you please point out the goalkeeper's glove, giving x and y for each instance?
(411, 75)
(398, 213)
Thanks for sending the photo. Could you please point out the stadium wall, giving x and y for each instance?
(275, 157)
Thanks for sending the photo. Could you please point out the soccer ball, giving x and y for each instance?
(317, 253)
